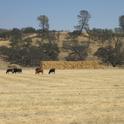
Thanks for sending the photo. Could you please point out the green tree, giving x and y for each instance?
(28, 30)
(4, 34)
(44, 31)
(50, 51)
(44, 22)
(121, 22)
(112, 55)
(16, 37)
(83, 19)
(76, 50)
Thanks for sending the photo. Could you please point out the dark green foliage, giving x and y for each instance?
(16, 37)
(28, 30)
(50, 51)
(48, 45)
(101, 35)
(77, 51)
(107, 55)
(121, 22)
(4, 34)
(114, 56)
(83, 19)
(30, 56)
(22, 51)
(44, 22)
(74, 34)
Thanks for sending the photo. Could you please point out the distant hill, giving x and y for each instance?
(62, 37)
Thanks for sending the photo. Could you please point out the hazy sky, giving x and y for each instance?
(62, 13)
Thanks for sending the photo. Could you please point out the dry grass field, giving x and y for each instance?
(68, 97)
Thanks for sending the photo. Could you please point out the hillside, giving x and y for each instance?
(61, 37)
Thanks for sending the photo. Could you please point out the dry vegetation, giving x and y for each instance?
(68, 97)
(62, 38)
(5, 43)
(72, 64)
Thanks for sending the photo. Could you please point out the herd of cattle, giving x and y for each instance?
(37, 70)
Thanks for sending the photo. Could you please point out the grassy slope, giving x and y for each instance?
(69, 97)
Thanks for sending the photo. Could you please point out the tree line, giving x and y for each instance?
(24, 53)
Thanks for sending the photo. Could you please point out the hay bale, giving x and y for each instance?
(72, 64)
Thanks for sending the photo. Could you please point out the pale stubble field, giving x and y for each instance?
(68, 97)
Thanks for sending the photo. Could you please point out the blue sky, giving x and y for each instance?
(62, 13)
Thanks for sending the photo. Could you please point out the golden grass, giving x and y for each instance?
(72, 64)
(5, 43)
(68, 97)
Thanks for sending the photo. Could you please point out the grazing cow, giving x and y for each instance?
(52, 70)
(15, 70)
(9, 70)
(38, 70)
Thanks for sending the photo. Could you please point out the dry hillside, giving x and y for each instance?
(93, 46)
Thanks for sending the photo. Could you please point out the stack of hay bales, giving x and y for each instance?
(72, 64)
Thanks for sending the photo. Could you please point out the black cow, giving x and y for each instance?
(9, 70)
(52, 70)
(17, 70)
(14, 70)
